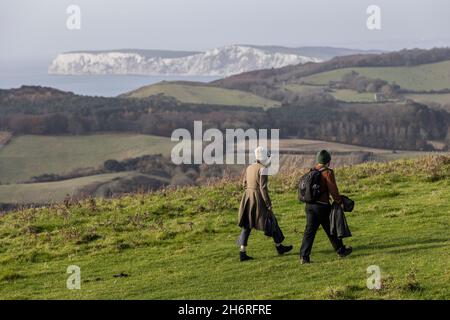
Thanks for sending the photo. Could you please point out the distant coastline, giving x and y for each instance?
(93, 85)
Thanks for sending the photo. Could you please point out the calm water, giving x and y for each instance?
(102, 85)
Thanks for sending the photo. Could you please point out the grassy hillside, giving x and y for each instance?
(202, 94)
(28, 156)
(433, 76)
(181, 243)
(252, 80)
(303, 156)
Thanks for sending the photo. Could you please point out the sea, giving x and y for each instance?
(14, 76)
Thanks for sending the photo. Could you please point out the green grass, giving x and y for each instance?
(353, 96)
(302, 88)
(433, 76)
(180, 244)
(48, 192)
(28, 156)
(203, 94)
(341, 94)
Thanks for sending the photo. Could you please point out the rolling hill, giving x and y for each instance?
(180, 244)
(102, 182)
(57, 132)
(433, 76)
(97, 185)
(51, 192)
(202, 94)
(416, 60)
(31, 155)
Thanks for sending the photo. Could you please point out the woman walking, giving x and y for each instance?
(255, 211)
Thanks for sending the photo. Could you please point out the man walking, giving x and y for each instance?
(255, 211)
(318, 213)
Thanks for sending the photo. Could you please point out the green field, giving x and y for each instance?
(51, 192)
(28, 156)
(93, 150)
(443, 98)
(302, 88)
(353, 96)
(203, 94)
(433, 76)
(48, 192)
(180, 244)
(345, 95)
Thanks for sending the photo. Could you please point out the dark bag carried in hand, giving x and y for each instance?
(338, 222)
(272, 229)
(309, 186)
(347, 204)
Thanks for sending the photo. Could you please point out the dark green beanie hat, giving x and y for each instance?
(323, 157)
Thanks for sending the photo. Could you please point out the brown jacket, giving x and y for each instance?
(328, 185)
(255, 204)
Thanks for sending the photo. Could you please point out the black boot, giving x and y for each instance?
(283, 249)
(243, 256)
(344, 251)
(304, 260)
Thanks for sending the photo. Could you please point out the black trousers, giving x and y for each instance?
(317, 215)
(277, 234)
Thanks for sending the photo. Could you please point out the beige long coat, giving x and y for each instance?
(255, 204)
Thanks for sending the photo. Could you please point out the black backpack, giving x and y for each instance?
(309, 186)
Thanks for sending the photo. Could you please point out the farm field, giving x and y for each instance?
(302, 88)
(433, 76)
(203, 95)
(55, 192)
(345, 95)
(28, 156)
(48, 192)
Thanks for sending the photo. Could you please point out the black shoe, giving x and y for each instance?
(344, 251)
(304, 260)
(244, 257)
(283, 249)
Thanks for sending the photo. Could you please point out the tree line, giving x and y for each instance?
(396, 126)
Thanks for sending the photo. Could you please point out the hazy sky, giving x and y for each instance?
(36, 29)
